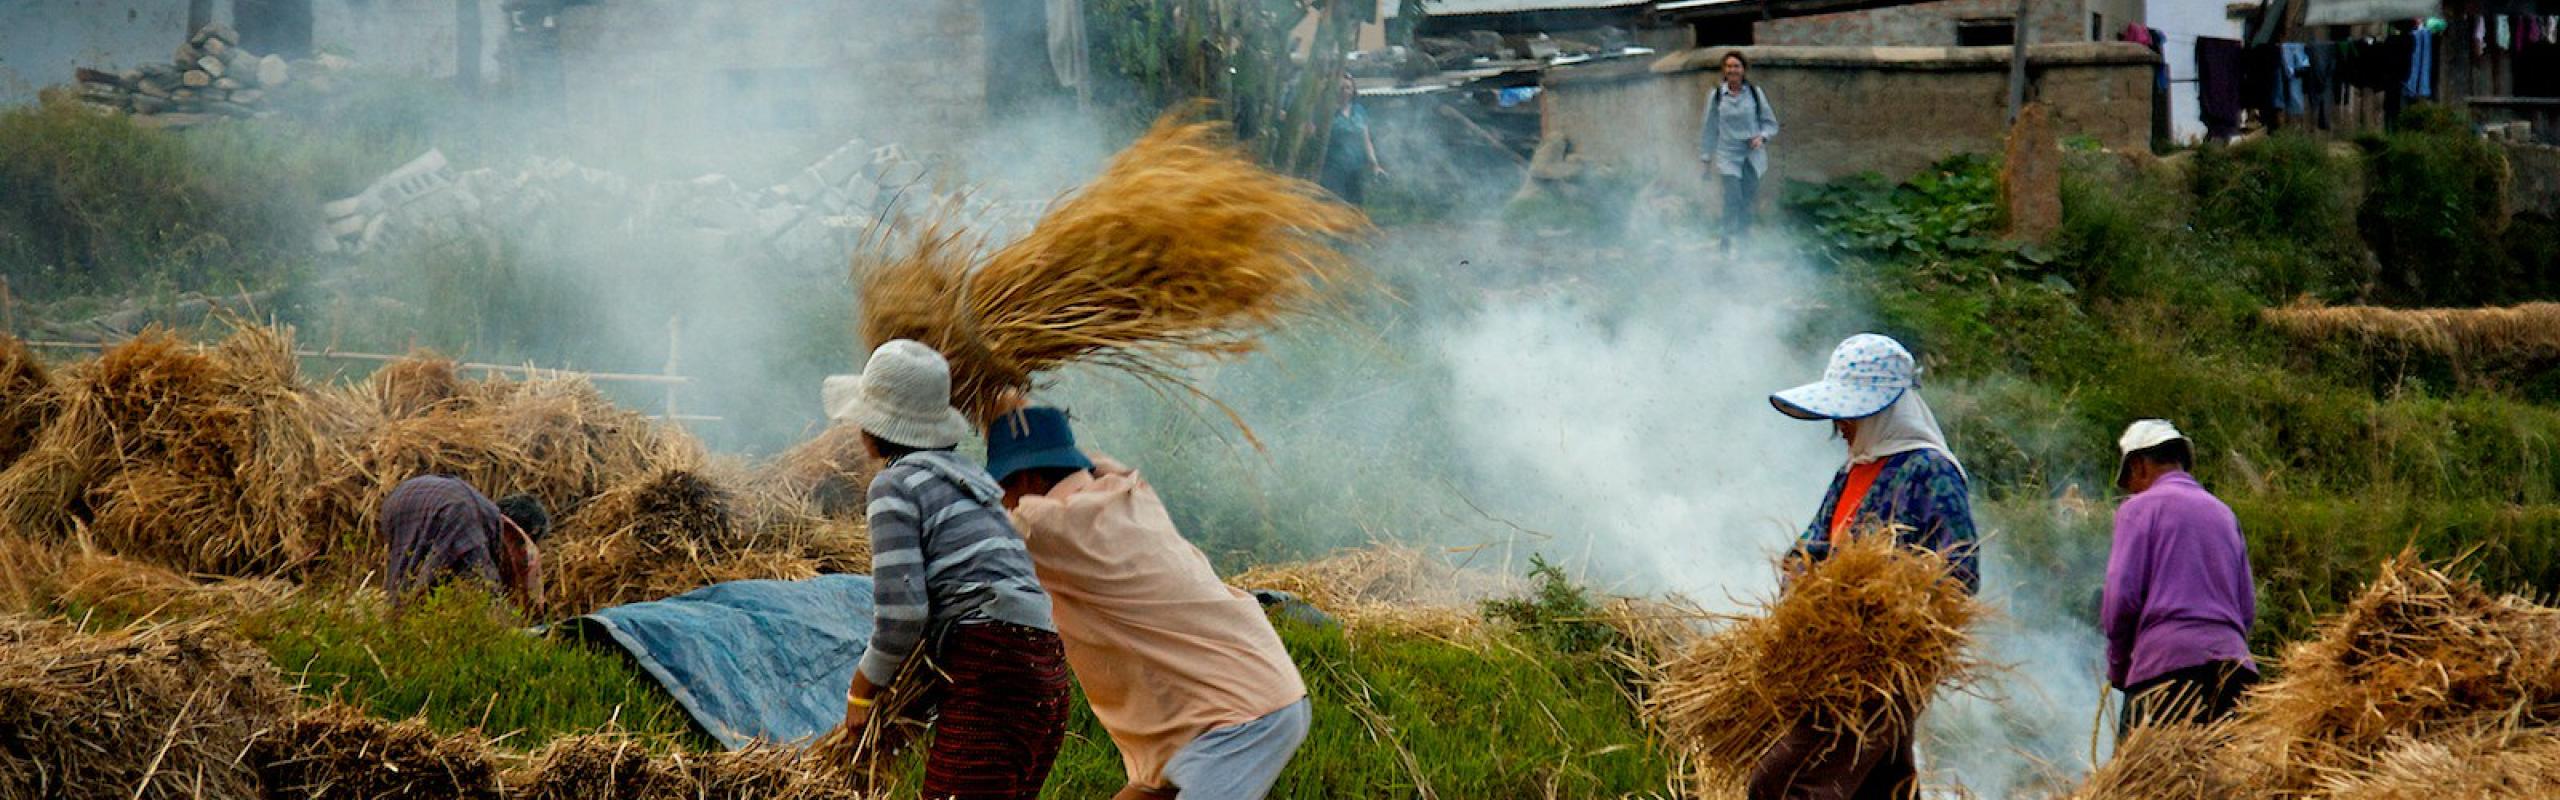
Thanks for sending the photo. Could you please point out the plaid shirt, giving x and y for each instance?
(439, 527)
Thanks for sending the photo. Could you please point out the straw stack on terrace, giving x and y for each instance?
(584, 767)
(1183, 248)
(25, 404)
(1862, 640)
(2426, 686)
(334, 751)
(2420, 657)
(2531, 330)
(188, 456)
(1390, 588)
(162, 712)
(831, 470)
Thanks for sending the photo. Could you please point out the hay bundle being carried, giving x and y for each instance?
(2420, 656)
(1860, 641)
(584, 767)
(25, 402)
(1388, 587)
(337, 752)
(1183, 247)
(211, 446)
(162, 712)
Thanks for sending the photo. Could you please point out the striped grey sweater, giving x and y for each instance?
(942, 550)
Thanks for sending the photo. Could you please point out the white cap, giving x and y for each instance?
(2143, 434)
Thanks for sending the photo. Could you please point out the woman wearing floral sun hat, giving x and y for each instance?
(1900, 473)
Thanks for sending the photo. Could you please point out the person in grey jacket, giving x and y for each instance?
(954, 585)
(1734, 142)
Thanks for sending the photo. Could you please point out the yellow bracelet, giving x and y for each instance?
(859, 702)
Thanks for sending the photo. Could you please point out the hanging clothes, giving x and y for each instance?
(2422, 61)
(2294, 61)
(2319, 81)
(2218, 86)
(2261, 85)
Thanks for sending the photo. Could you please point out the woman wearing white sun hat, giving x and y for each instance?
(954, 584)
(1900, 474)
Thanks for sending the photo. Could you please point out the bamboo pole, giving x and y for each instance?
(501, 369)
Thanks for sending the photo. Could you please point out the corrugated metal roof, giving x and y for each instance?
(1451, 8)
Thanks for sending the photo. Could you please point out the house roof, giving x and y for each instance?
(1452, 8)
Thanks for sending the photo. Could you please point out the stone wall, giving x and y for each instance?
(417, 37)
(1924, 24)
(1842, 111)
(750, 72)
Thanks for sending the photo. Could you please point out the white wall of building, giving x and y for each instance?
(2182, 21)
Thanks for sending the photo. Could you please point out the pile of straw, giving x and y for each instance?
(1860, 641)
(685, 527)
(2528, 331)
(2420, 656)
(1182, 248)
(418, 384)
(2167, 762)
(25, 405)
(193, 457)
(2502, 765)
(159, 712)
(584, 767)
(1388, 588)
(335, 751)
(832, 471)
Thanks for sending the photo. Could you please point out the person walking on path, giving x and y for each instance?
(1184, 672)
(1734, 143)
(1350, 153)
(2179, 599)
(1900, 477)
(954, 585)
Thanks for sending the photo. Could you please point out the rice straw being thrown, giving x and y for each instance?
(1862, 640)
(1183, 248)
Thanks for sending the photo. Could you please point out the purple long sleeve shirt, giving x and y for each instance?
(2178, 589)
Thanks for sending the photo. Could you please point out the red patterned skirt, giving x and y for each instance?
(1002, 713)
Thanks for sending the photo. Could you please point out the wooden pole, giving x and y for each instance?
(675, 344)
(199, 14)
(466, 45)
(2018, 61)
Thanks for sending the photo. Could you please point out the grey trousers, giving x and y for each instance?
(1741, 201)
(1240, 761)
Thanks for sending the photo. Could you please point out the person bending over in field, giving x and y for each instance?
(1183, 671)
(955, 586)
(439, 528)
(1900, 477)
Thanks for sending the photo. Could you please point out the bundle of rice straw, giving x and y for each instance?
(417, 384)
(584, 767)
(25, 402)
(832, 471)
(2530, 331)
(1183, 247)
(870, 759)
(2490, 765)
(1389, 588)
(2167, 762)
(2420, 656)
(685, 527)
(334, 751)
(1862, 640)
(212, 446)
(156, 712)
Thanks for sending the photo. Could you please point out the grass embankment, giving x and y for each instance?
(2147, 305)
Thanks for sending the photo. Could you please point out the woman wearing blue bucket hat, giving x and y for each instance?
(1900, 477)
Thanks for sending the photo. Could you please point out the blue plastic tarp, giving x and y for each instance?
(752, 661)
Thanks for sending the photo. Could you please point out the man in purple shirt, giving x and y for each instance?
(2179, 601)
